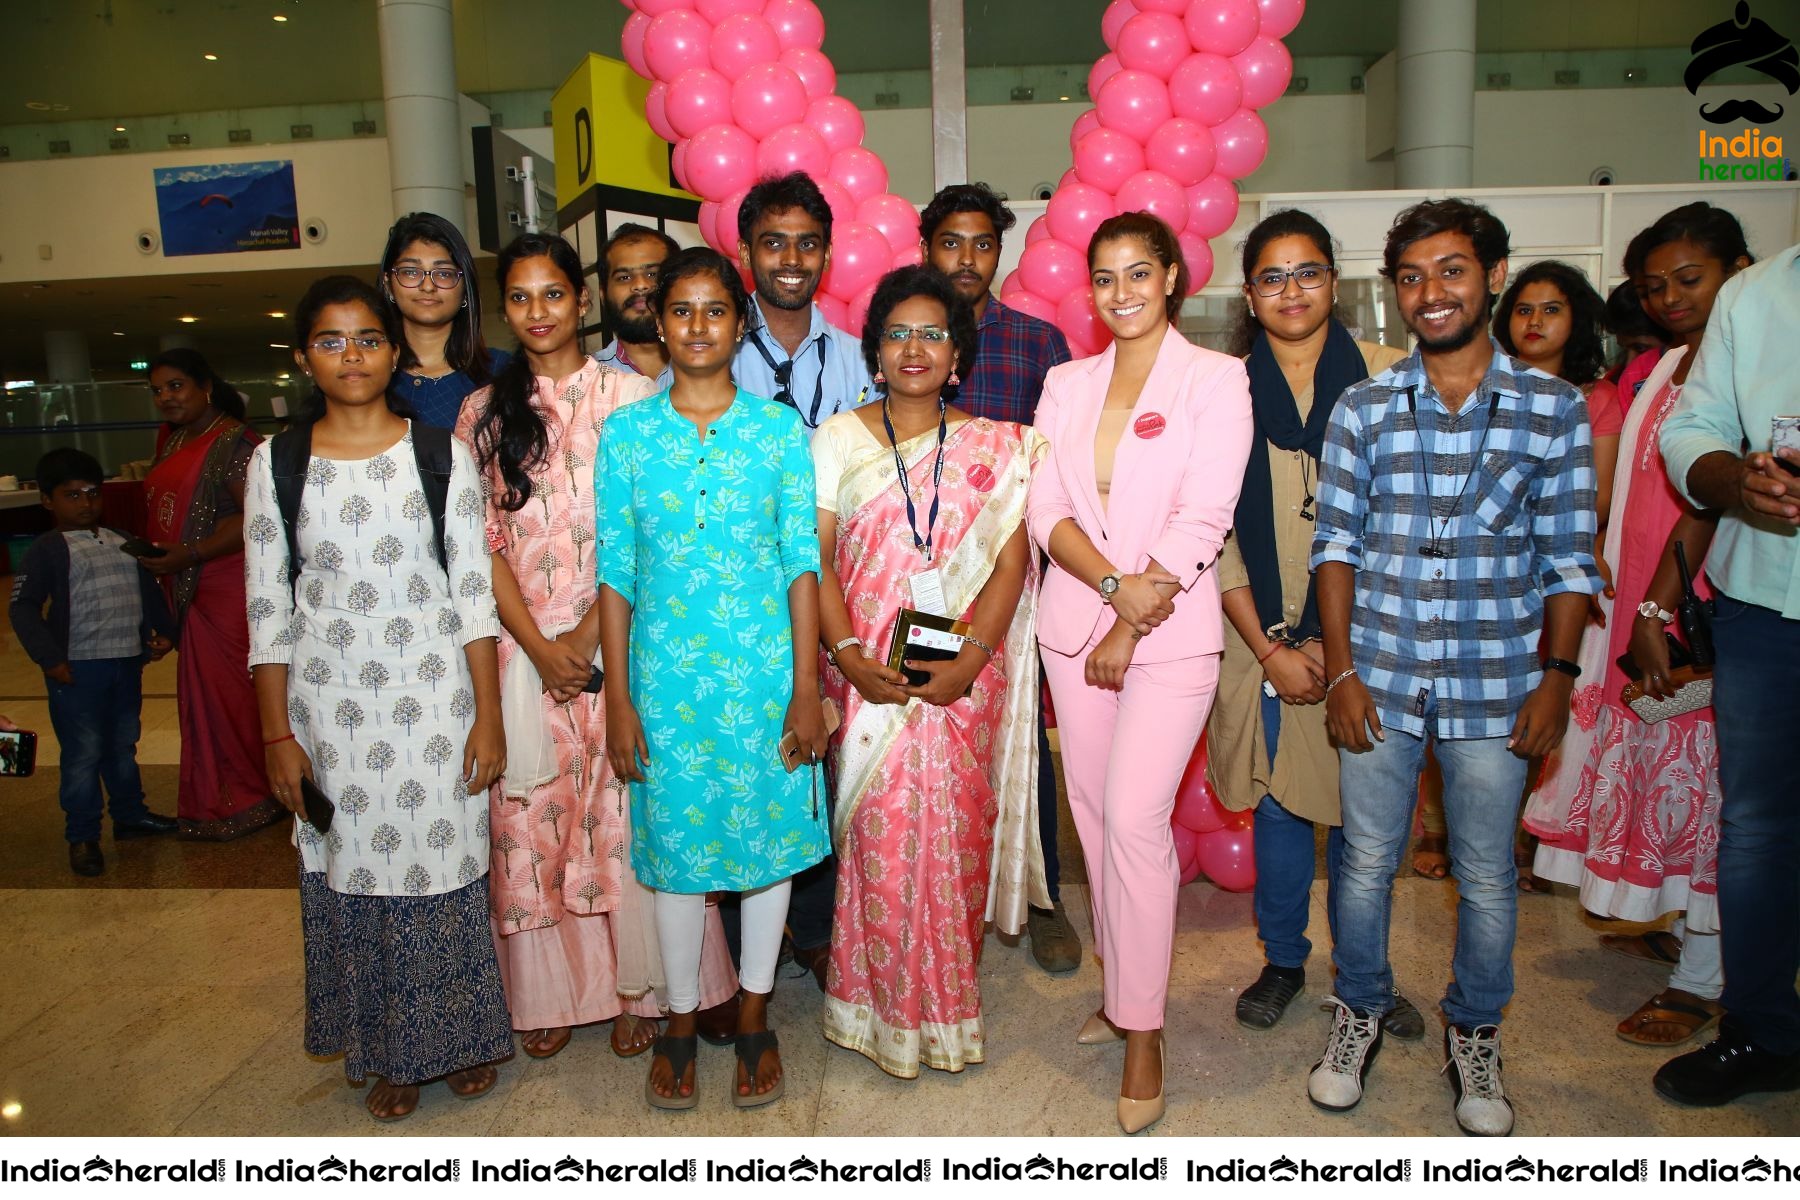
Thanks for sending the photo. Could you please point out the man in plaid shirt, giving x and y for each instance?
(1456, 521)
(960, 232)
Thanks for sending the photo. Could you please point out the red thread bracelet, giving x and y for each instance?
(289, 738)
(1269, 653)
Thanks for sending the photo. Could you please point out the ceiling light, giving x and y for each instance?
(282, 17)
(1062, 97)
(279, 346)
(210, 57)
(11, 1110)
(187, 320)
(38, 105)
(118, 333)
(278, 315)
(118, 129)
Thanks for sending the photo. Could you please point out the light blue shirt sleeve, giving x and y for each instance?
(1706, 418)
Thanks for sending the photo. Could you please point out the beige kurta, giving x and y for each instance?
(1304, 776)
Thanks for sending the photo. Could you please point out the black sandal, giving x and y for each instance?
(1261, 1004)
(679, 1053)
(750, 1050)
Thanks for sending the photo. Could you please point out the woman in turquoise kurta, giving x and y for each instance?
(709, 564)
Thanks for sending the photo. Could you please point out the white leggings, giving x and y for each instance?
(681, 926)
(1701, 971)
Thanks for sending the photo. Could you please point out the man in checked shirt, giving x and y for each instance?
(1456, 521)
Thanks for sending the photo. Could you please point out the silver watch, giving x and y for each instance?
(1109, 587)
(1651, 608)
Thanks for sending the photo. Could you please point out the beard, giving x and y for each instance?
(769, 294)
(1455, 339)
(634, 331)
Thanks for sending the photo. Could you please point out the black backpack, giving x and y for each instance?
(291, 450)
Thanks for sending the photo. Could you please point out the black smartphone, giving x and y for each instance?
(319, 810)
(1678, 657)
(18, 752)
(595, 681)
(137, 547)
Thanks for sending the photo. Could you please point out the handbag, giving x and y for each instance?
(1693, 692)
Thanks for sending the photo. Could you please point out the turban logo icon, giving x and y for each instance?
(1747, 41)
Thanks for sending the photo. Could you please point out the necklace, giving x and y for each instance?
(181, 435)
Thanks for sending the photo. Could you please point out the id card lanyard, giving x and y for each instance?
(927, 584)
(811, 420)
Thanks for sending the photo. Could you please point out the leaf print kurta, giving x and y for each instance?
(378, 686)
(703, 536)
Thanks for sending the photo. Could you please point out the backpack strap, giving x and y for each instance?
(431, 450)
(289, 453)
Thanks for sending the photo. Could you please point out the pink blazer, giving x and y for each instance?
(1176, 477)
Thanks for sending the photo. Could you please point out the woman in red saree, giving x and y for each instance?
(936, 818)
(195, 497)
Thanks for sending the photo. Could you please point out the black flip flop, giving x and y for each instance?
(680, 1052)
(750, 1050)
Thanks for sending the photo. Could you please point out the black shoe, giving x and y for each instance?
(85, 859)
(149, 825)
(1261, 1004)
(1730, 1067)
(1403, 1020)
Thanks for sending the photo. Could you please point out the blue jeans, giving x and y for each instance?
(1285, 860)
(1758, 713)
(1380, 789)
(97, 721)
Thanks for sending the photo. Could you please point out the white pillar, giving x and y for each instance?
(66, 357)
(949, 95)
(1434, 111)
(424, 123)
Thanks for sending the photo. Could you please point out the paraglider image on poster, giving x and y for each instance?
(227, 207)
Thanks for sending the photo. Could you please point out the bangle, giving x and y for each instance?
(277, 741)
(832, 654)
(1339, 679)
(1266, 655)
(971, 640)
(1563, 665)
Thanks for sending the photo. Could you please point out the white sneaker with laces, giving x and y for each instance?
(1336, 1082)
(1473, 1062)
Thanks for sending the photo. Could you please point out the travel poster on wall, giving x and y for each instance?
(227, 207)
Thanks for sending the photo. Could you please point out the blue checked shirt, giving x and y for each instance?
(1504, 488)
(1014, 354)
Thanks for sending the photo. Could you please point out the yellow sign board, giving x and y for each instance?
(602, 137)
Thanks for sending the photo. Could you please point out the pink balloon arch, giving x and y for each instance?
(1209, 839)
(742, 88)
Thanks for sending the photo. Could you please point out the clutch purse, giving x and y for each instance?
(923, 637)
(1693, 691)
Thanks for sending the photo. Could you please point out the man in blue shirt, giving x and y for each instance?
(1456, 519)
(960, 233)
(630, 264)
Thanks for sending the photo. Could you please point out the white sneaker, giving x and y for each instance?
(1473, 1061)
(1336, 1082)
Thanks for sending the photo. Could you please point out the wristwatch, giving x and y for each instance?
(832, 654)
(1109, 587)
(1564, 665)
(1651, 608)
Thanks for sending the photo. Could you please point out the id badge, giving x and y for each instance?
(928, 592)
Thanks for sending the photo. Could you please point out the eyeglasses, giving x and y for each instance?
(900, 334)
(337, 345)
(412, 277)
(1308, 276)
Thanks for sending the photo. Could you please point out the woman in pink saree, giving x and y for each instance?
(195, 496)
(936, 823)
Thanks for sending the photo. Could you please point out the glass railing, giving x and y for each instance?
(112, 421)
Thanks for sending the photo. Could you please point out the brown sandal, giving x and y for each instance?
(472, 1075)
(392, 1089)
(1528, 883)
(1432, 845)
(550, 1049)
(1690, 1016)
(633, 1025)
(1658, 946)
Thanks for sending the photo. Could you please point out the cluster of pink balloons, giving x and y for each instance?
(1173, 126)
(742, 90)
(1209, 840)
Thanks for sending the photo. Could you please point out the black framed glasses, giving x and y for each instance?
(1273, 282)
(784, 374)
(412, 277)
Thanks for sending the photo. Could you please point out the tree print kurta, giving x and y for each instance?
(704, 536)
(562, 849)
(378, 687)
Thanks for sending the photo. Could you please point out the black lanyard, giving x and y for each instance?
(1435, 548)
(784, 373)
(922, 545)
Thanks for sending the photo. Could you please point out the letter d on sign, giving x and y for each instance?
(584, 146)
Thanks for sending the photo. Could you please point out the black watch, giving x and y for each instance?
(1568, 668)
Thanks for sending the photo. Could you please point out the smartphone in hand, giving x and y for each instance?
(138, 547)
(1785, 435)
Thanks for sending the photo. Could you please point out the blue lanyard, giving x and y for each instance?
(784, 373)
(922, 545)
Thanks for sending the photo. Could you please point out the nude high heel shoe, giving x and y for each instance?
(1135, 1116)
(1097, 1031)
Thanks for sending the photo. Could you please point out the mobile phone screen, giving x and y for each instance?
(18, 752)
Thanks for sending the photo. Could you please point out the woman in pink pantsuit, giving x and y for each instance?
(1169, 424)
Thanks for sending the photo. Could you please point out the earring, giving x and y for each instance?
(880, 378)
(955, 380)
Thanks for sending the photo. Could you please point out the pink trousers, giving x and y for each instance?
(1123, 756)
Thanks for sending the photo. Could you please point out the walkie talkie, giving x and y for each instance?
(1696, 623)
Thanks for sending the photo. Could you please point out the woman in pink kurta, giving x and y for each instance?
(573, 928)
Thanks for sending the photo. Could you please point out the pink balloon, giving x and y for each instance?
(1222, 26)
(859, 257)
(1113, 20)
(1104, 68)
(835, 311)
(1032, 305)
(698, 97)
(1243, 142)
(1197, 808)
(1182, 149)
(910, 256)
(717, 10)
(1162, 6)
(675, 42)
(656, 8)
(678, 155)
(1197, 251)
(1154, 42)
(793, 148)
(721, 160)
(1135, 103)
(860, 171)
(836, 120)
(1037, 231)
(1106, 158)
(1265, 66)
(1280, 17)
(766, 97)
(1212, 206)
(1076, 317)
(1085, 124)
(1052, 268)
(896, 219)
(1187, 846)
(1073, 214)
(1154, 193)
(708, 220)
(657, 113)
(740, 42)
(858, 315)
(814, 70)
(796, 23)
(1066, 178)
(1228, 858)
(1206, 88)
(631, 43)
(726, 222)
(839, 200)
